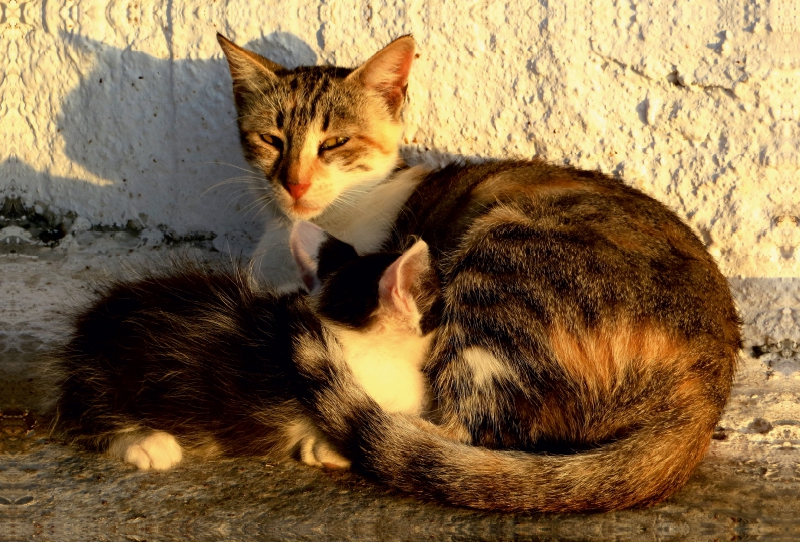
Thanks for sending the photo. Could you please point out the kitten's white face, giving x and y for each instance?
(373, 305)
(320, 135)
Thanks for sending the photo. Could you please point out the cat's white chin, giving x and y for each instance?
(301, 211)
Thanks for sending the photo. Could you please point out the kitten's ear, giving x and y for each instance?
(246, 65)
(387, 72)
(401, 285)
(317, 253)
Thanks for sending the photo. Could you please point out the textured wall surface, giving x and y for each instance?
(120, 111)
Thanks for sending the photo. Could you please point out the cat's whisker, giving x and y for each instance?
(232, 180)
(260, 209)
(265, 205)
(238, 193)
(238, 119)
(262, 187)
(341, 202)
(255, 201)
(217, 162)
(253, 115)
(357, 191)
(235, 201)
(253, 205)
(241, 193)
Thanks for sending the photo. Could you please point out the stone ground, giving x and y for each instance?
(747, 487)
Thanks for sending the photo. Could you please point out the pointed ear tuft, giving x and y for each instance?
(305, 241)
(400, 285)
(246, 65)
(387, 72)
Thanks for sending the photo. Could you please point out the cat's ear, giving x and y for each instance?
(387, 72)
(317, 253)
(402, 284)
(245, 65)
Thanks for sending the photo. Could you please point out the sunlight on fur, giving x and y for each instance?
(154, 451)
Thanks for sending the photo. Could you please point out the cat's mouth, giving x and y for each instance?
(303, 210)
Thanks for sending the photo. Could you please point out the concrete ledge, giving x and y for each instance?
(70, 495)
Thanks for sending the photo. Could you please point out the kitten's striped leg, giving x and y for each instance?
(153, 450)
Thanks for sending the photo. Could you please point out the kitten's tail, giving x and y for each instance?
(642, 468)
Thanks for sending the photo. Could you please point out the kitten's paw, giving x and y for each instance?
(318, 453)
(156, 451)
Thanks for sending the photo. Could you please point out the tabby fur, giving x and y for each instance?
(586, 343)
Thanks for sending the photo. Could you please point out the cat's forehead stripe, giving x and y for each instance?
(312, 98)
(308, 98)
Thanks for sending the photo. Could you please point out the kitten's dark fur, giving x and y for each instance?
(587, 343)
(197, 354)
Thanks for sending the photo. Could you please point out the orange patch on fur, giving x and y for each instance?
(373, 143)
(688, 392)
(555, 421)
(595, 357)
(306, 171)
(513, 184)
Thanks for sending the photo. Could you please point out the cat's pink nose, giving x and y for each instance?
(297, 190)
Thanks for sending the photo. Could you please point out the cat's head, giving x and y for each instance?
(359, 292)
(318, 132)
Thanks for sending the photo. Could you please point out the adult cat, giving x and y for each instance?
(587, 340)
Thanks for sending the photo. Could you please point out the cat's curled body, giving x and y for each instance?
(194, 358)
(582, 324)
(587, 342)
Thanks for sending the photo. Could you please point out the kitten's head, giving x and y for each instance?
(317, 132)
(360, 292)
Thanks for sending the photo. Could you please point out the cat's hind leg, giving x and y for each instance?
(320, 453)
(311, 447)
(148, 450)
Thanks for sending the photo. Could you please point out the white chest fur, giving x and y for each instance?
(366, 221)
(387, 365)
(363, 220)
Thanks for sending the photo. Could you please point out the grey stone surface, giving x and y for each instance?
(747, 487)
(66, 494)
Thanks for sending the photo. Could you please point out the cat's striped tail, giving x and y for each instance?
(642, 468)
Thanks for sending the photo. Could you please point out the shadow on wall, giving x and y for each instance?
(153, 129)
(152, 111)
(144, 107)
(161, 135)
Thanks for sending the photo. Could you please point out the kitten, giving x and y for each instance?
(587, 340)
(195, 359)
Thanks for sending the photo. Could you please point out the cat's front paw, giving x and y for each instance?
(156, 451)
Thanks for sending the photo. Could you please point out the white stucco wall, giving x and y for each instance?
(121, 110)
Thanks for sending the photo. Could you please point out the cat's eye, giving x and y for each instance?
(272, 140)
(333, 142)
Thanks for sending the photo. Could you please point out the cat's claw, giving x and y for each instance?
(156, 451)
